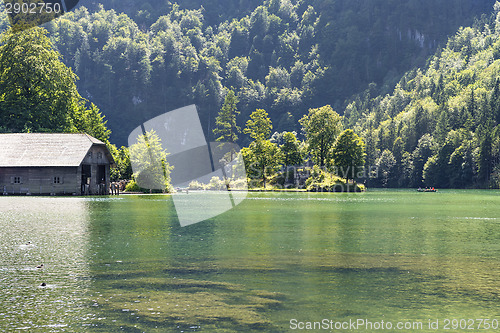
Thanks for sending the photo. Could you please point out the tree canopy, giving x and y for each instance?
(259, 125)
(137, 60)
(293, 152)
(262, 157)
(226, 127)
(348, 155)
(321, 127)
(149, 160)
(37, 91)
(441, 122)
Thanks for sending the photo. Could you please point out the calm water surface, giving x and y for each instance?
(125, 264)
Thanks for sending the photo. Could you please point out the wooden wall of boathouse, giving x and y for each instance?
(39, 181)
(61, 164)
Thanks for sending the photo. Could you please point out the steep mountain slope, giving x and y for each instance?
(284, 56)
(441, 124)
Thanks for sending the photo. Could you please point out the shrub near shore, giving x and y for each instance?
(323, 181)
(319, 181)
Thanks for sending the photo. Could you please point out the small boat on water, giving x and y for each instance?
(426, 189)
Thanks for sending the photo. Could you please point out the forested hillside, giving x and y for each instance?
(441, 124)
(283, 56)
(145, 13)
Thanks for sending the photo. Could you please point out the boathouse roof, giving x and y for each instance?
(46, 149)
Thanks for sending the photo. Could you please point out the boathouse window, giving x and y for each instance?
(99, 155)
(90, 154)
(16, 180)
(57, 180)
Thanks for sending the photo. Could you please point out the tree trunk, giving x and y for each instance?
(264, 177)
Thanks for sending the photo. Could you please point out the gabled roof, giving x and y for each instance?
(46, 149)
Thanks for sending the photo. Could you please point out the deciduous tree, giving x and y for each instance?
(37, 91)
(149, 160)
(263, 157)
(348, 154)
(291, 149)
(259, 126)
(321, 127)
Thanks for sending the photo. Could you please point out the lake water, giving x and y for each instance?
(125, 264)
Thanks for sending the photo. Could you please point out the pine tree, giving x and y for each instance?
(471, 110)
(495, 102)
(443, 125)
(485, 163)
(226, 129)
(438, 93)
(91, 121)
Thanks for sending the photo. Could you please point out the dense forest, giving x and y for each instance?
(441, 124)
(426, 105)
(139, 59)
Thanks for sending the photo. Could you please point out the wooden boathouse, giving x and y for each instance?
(53, 164)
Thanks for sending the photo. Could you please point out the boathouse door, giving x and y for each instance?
(86, 178)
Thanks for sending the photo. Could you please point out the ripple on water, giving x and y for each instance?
(478, 218)
(100, 199)
(336, 199)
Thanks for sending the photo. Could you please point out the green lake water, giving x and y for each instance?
(124, 263)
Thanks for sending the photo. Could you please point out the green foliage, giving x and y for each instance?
(424, 150)
(259, 126)
(321, 127)
(132, 186)
(348, 155)
(323, 181)
(91, 121)
(37, 91)
(281, 56)
(385, 165)
(123, 169)
(216, 184)
(38, 94)
(226, 128)
(147, 12)
(443, 116)
(262, 159)
(150, 162)
(292, 149)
